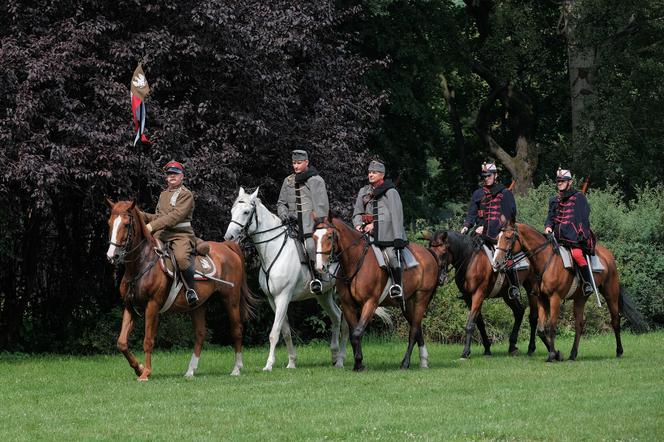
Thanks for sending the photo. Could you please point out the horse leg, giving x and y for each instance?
(280, 306)
(475, 307)
(424, 354)
(554, 313)
(151, 323)
(236, 327)
(518, 311)
(367, 312)
(579, 305)
(542, 319)
(611, 291)
(418, 306)
(350, 315)
(532, 319)
(327, 303)
(198, 318)
(484, 337)
(123, 341)
(288, 339)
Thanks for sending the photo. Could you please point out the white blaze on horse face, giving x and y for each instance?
(114, 237)
(319, 234)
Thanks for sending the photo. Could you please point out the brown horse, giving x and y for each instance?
(556, 284)
(362, 282)
(145, 286)
(475, 279)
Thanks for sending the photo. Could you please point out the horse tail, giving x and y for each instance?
(248, 300)
(626, 306)
(385, 316)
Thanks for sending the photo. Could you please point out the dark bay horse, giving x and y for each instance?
(556, 283)
(145, 286)
(475, 279)
(361, 281)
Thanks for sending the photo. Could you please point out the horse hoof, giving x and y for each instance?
(619, 354)
(424, 364)
(488, 355)
(189, 375)
(235, 372)
(571, 358)
(359, 368)
(291, 366)
(267, 368)
(143, 379)
(339, 364)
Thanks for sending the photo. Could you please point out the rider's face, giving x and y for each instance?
(300, 166)
(374, 176)
(563, 185)
(174, 180)
(490, 179)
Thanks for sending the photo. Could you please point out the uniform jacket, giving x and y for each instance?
(174, 211)
(487, 205)
(569, 214)
(314, 204)
(383, 205)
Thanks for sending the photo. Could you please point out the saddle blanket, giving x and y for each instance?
(407, 258)
(568, 261)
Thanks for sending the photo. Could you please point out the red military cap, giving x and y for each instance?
(174, 167)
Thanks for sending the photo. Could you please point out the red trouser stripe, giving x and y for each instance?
(577, 254)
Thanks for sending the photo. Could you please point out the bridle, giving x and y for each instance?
(509, 251)
(130, 237)
(442, 260)
(337, 257)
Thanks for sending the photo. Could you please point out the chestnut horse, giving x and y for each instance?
(556, 283)
(475, 278)
(360, 282)
(145, 286)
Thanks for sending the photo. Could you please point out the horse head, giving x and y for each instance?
(508, 244)
(243, 215)
(327, 242)
(121, 229)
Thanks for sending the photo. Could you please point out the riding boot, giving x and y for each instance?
(586, 277)
(396, 289)
(513, 279)
(188, 277)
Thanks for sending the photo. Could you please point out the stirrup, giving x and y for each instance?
(192, 297)
(396, 291)
(315, 286)
(513, 292)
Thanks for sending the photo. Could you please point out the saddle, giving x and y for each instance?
(204, 266)
(407, 258)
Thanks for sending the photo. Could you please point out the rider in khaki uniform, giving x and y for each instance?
(378, 212)
(172, 224)
(303, 200)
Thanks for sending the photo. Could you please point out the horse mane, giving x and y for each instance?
(141, 223)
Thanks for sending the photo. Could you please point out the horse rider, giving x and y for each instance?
(569, 220)
(171, 223)
(487, 205)
(379, 213)
(303, 200)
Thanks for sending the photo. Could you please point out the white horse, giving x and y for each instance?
(282, 276)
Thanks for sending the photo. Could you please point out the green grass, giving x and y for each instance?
(597, 397)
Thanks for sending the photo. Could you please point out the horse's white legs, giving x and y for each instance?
(326, 301)
(424, 356)
(286, 333)
(280, 307)
(238, 364)
(193, 365)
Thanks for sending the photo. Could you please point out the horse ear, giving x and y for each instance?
(503, 220)
(133, 204)
(242, 191)
(443, 236)
(109, 202)
(255, 194)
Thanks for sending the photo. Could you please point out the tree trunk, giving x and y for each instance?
(581, 65)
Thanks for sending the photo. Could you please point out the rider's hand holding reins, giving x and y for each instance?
(548, 230)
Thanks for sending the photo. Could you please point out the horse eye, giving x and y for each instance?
(246, 212)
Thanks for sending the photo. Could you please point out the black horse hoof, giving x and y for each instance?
(513, 351)
(488, 354)
(359, 368)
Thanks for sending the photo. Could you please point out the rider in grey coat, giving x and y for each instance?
(378, 211)
(303, 200)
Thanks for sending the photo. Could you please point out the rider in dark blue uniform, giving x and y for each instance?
(487, 205)
(569, 220)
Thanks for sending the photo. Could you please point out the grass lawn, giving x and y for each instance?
(597, 397)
